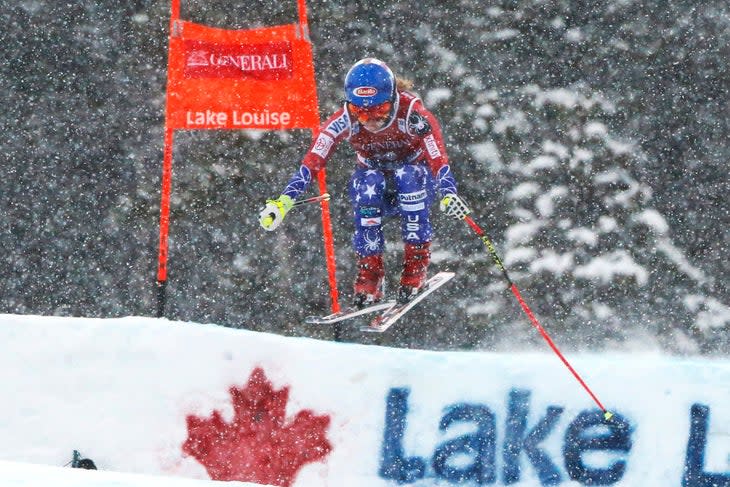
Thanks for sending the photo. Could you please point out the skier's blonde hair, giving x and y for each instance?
(404, 84)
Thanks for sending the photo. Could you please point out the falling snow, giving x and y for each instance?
(592, 149)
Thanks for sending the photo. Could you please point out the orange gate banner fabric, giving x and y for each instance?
(240, 79)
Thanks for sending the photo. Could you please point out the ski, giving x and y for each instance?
(348, 313)
(386, 319)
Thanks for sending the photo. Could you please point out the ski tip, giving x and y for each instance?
(320, 320)
(607, 415)
(370, 329)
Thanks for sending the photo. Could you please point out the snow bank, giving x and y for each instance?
(14, 474)
(155, 397)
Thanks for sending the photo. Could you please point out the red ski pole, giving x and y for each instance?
(606, 414)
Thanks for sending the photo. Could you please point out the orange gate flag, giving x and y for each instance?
(238, 79)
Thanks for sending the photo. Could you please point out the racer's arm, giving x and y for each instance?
(425, 124)
(329, 135)
(332, 131)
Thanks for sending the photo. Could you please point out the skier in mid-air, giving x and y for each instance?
(401, 165)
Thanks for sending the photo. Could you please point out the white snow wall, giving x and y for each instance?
(138, 395)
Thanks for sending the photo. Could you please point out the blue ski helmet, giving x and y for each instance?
(369, 82)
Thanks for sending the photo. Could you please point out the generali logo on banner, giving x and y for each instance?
(265, 62)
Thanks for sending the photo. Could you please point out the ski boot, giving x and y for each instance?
(416, 258)
(370, 280)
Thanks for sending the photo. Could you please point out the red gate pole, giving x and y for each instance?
(164, 222)
(302, 8)
(329, 245)
(166, 182)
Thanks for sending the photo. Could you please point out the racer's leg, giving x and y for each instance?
(367, 188)
(415, 196)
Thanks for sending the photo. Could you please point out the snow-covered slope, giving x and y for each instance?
(15, 474)
(138, 395)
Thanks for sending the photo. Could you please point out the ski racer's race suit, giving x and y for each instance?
(398, 171)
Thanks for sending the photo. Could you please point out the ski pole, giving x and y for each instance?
(313, 199)
(606, 414)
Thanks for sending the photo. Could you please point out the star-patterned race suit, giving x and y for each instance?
(399, 169)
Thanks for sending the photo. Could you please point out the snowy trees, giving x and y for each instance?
(584, 239)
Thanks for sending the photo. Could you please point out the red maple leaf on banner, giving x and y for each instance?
(258, 445)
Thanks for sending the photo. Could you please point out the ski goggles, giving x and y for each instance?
(365, 114)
